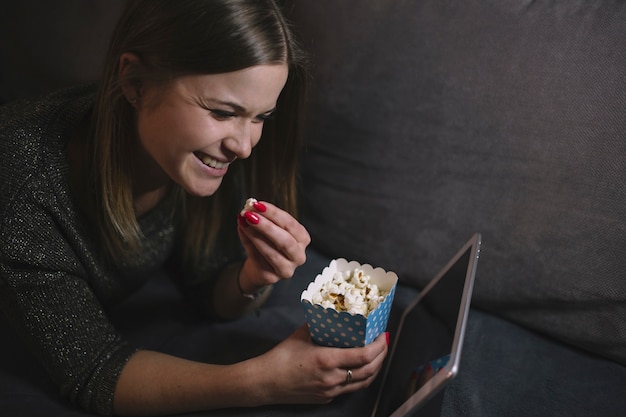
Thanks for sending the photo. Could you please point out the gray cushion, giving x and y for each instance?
(45, 45)
(432, 120)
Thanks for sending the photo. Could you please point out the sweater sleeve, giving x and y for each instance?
(58, 317)
(50, 299)
(53, 287)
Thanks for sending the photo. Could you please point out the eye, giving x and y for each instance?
(222, 115)
(264, 117)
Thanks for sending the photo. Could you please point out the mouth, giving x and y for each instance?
(210, 161)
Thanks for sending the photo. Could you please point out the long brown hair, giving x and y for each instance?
(182, 37)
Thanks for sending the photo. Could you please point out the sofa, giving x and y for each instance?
(428, 121)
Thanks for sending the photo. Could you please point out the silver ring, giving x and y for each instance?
(348, 376)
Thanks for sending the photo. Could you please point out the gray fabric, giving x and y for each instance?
(433, 120)
(500, 117)
(505, 370)
(45, 45)
(509, 371)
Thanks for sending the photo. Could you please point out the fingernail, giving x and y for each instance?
(387, 337)
(260, 207)
(252, 217)
(242, 220)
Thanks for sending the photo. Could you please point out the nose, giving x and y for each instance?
(245, 134)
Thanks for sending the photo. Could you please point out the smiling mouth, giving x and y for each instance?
(210, 161)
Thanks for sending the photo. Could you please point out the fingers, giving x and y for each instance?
(357, 357)
(366, 364)
(309, 373)
(279, 239)
(279, 227)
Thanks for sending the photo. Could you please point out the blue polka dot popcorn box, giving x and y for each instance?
(334, 306)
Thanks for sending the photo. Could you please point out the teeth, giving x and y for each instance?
(213, 163)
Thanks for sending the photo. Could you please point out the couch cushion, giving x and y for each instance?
(432, 120)
(45, 46)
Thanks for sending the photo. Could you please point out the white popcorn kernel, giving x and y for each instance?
(248, 206)
(349, 291)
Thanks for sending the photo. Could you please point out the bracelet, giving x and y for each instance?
(249, 296)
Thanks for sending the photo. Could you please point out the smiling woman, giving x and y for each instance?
(169, 41)
(215, 118)
(198, 107)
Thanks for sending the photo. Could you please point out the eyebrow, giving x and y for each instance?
(237, 107)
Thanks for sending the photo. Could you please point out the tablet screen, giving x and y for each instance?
(426, 350)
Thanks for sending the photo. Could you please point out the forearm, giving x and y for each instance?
(294, 371)
(154, 383)
(228, 301)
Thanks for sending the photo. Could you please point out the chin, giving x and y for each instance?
(201, 190)
(201, 193)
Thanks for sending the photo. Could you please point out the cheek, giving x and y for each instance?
(153, 136)
(257, 130)
(184, 131)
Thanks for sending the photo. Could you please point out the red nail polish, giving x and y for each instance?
(260, 207)
(252, 217)
(387, 337)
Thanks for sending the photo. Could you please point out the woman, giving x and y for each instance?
(100, 190)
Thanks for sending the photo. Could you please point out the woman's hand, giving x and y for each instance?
(299, 371)
(275, 243)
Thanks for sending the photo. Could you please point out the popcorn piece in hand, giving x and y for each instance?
(350, 291)
(249, 206)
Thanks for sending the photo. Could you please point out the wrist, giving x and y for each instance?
(250, 295)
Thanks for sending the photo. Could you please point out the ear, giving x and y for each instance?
(129, 64)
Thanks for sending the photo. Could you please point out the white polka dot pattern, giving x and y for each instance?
(341, 329)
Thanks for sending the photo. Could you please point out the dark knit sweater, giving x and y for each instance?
(54, 290)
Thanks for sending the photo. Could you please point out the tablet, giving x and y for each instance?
(426, 351)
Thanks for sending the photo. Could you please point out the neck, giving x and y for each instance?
(148, 200)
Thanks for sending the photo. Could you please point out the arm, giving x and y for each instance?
(295, 371)
(45, 295)
(62, 324)
(228, 299)
(275, 245)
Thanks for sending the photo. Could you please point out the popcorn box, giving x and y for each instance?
(329, 327)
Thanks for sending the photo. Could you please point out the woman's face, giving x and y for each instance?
(195, 128)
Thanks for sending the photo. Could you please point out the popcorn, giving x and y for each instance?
(348, 303)
(350, 291)
(248, 206)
